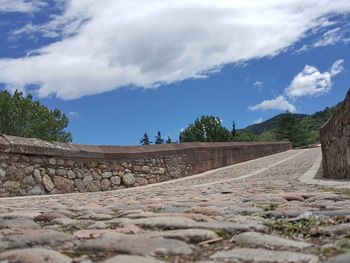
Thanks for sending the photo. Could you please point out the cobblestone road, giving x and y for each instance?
(256, 211)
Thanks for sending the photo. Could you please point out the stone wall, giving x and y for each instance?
(36, 167)
(335, 140)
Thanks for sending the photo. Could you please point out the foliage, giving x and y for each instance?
(268, 136)
(145, 140)
(21, 116)
(309, 122)
(168, 140)
(270, 124)
(206, 129)
(302, 228)
(234, 129)
(271, 207)
(159, 139)
(290, 128)
(246, 136)
(302, 129)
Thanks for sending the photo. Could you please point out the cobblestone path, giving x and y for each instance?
(256, 211)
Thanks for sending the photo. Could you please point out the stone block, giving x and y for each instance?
(105, 185)
(129, 179)
(63, 184)
(93, 186)
(115, 180)
(12, 185)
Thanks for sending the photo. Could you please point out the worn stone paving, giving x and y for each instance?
(257, 211)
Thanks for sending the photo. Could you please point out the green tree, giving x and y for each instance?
(290, 128)
(159, 139)
(206, 129)
(145, 140)
(21, 116)
(169, 140)
(234, 129)
(246, 136)
(268, 136)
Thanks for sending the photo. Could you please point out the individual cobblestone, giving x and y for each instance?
(35, 255)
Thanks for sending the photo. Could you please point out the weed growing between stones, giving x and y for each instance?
(270, 207)
(221, 233)
(165, 258)
(302, 228)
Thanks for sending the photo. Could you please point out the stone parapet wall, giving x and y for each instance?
(36, 167)
(335, 140)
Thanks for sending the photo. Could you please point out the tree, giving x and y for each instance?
(233, 129)
(246, 136)
(206, 129)
(21, 116)
(145, 140)
(169, 140)
(290, 128)
(159, 139)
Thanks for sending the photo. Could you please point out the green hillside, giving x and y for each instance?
(267, 130)
(269, 124)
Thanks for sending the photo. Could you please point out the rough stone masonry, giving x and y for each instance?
(335, 139)
(36, 167)
(256, 211)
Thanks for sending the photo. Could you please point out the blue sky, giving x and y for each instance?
(122, 68)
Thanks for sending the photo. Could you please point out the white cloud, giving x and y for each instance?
(312, 82)
(259, 85)
(260, 120)
(279, 103)
(74, 114)
(106, 44)
(337, 67)
(21, 6)
(309, 82)
(329, 38)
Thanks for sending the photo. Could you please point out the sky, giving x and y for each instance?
(119, 69)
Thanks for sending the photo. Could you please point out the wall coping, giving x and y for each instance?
(32, 146)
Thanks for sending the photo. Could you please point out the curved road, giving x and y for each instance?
(256, 211)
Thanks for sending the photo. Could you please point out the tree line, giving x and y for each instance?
(158, 139)
(204, 129)
(210, 129)
(22, 116)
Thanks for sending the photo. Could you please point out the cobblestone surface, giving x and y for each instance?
(257, 211)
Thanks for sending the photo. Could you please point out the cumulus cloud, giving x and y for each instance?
(309, 82)
(279, 103)
(312, 82)
(21, 6)
(105, 45)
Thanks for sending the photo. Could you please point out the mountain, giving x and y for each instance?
(310, 122)
(308, 127)
(270, 124)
